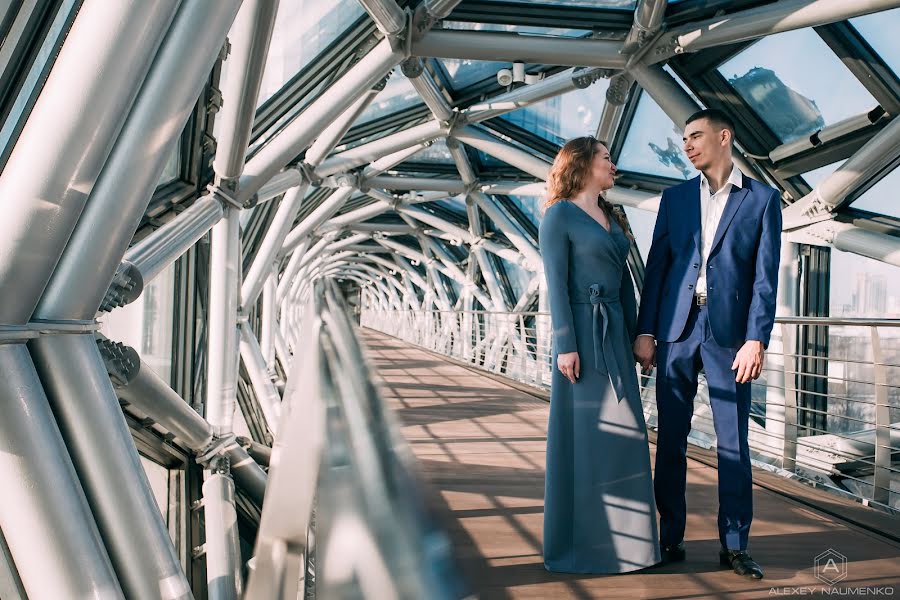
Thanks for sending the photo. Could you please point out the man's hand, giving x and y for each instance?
(645, 351)
(749, 361)
(570, 365)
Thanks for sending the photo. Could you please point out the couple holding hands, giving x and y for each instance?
(707, 302)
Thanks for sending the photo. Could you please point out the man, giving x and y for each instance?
(709, 302)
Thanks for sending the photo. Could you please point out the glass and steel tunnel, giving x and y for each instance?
(224, 223)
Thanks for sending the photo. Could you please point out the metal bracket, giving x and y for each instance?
(13, 334)
(584, 78)
(226, 197)
(211, 456)
(309, 173)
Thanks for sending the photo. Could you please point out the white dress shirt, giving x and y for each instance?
(711, 208)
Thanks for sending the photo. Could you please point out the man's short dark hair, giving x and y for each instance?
(716, 118)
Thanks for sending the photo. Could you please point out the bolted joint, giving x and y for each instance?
(617, 92)
(126, 286)
(217, 448)
(309, 173)
(228, 197)
(347, 180)
(123, 363)
(382, 83)
(213, 100)
(412, 67)
(586, 77)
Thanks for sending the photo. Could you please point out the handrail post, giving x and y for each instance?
(881, 484)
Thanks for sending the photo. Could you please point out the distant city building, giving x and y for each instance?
(790, 114)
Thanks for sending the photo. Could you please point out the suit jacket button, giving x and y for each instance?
(690, 287)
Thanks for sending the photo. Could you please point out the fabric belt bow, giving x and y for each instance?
(605, 356)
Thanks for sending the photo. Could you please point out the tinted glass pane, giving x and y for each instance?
(815, 177)
(621, 4)
(880, 30)
(523, 29)
(435, 153)
(530, 205)
(782, 77)
(564, 117)
(397, 94)
(303, 28)
(653, 144)
(882, 197)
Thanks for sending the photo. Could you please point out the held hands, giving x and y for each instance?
(749, 361)
(645, 351)
(569, 365)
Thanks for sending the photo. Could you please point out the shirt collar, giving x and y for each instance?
(735, 178)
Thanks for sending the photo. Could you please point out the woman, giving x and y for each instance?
(599, 512)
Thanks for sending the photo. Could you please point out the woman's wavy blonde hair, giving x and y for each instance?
(569, 173)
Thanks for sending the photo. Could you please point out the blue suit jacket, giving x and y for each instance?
(742, 270)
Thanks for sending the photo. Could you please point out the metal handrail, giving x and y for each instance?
(500, 342)
(373, 536)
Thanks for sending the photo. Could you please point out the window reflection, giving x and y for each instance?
(653, 144)
(780, 77)
(464, 72)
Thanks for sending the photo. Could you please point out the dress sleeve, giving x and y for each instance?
(554, 243)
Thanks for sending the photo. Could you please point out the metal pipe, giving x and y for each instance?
(462, 162)
(250, 37)
(290, 271)
(514, 188)
(786, 15)
(279, 184)
(267, 335)
(260, 453)
(549, 87)
(282, 352)
(424, 84)
(354, 216)
(331, 205)
(389, 161)
(120, 197)
(67, 138)
(329, 138)
(223, 551)
(452, 186)
(501, 150)
(137, 384)
(510, 230)
(873, 244)
(388, 16)
(263, 388)
(103, 451)
(836, 130)
(271, 245)
(648, 18)
(360, 155)
(149, 257)
(44, 514)
(297, 136)
(224, 278)
(509, 47)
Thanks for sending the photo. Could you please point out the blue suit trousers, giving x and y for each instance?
(678, 366)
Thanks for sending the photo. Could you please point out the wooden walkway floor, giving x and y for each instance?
(480, 444)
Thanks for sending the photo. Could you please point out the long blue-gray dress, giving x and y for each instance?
(599, 511)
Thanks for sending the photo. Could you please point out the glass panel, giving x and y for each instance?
(642, 223)
(46, 55)
(397, 94)
(302, 30)
(861, 287)
(880, 30)
(558, 119)
(158, 476)
(146, 324)
(782, 77)
(171, 170)
(882, 197)
(530, 205)
(464, 72)
(653, 144)
(518, 277)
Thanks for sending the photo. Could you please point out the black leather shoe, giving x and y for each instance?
(741, 562)
(673, 553)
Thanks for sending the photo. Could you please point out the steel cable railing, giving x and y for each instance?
(855, 452)
(344, 515)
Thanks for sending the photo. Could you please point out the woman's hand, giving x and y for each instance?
(570, 365)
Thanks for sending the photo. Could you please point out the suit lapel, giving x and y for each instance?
(692, 211)
(731, 207)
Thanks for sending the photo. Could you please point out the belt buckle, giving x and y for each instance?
(699, 300)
